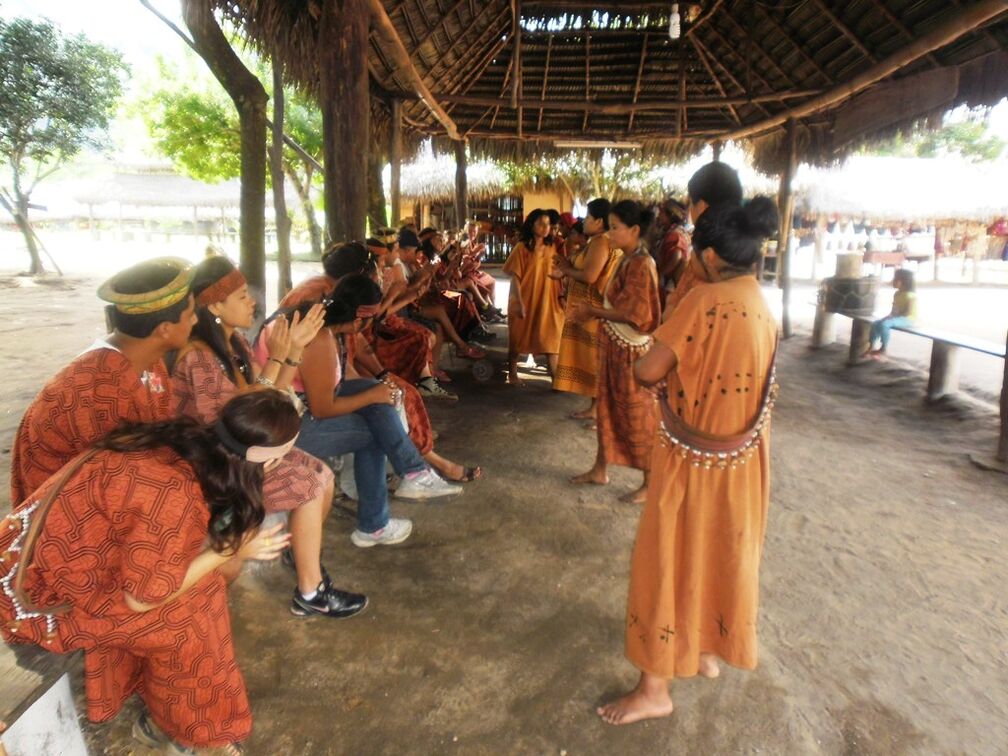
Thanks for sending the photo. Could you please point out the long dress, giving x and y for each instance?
(540, 330)
(201, 388)
(132, 522)
(88, 398)
(577, 362)
(625, 413)
(694, 573)
(693, 275)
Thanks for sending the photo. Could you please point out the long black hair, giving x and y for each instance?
(716, 184)
(209, 331)
(527, 234)
(736, 232)
(340, 306)
(232, 486)
(345, 259)
(599, 208)
(633, 213)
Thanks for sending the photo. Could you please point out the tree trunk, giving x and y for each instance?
(346, 114)
(395, 162)
(249, 97)
(461, 188)
(303, 191)
(21, 219)
(376, 193)
(283, 221)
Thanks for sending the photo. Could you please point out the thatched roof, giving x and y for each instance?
(610, 71)
(431, 178)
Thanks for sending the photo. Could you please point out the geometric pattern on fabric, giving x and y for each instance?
(133, 523)
(82, 403)
(402, 347)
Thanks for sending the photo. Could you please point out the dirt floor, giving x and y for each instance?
(497, 628)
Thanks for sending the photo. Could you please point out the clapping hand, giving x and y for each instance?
(303, 330)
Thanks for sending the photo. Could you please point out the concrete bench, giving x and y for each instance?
(29, 673)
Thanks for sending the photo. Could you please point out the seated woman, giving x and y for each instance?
(215, 365)
(903, 314)
(357, 416)
(119, 553)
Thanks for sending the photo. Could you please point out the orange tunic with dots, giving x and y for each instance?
(131, 522)
(694, 579)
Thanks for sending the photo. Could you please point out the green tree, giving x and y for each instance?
(57, 96)
(196, 127)
(968, 137)
(591, 173)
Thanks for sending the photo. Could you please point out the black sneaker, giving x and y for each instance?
(482, 335)
(287, 558)
(329, 601)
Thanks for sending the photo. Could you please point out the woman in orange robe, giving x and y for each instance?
(119, 553)
(588, 272)
(694, 578)
(535, 315)
(625, 410)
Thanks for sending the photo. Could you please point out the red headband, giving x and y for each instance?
(222, 289)
(368, 311)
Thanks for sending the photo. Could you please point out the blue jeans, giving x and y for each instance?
(880, 329)
(371, 434)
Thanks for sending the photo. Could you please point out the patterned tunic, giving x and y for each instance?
(82, 403)
(133, 523)
(201, 388)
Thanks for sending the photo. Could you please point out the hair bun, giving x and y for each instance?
(759, 217)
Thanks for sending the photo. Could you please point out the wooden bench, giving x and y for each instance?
(27, 673)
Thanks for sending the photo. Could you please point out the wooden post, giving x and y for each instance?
(461, 200)
(785, 203)
(395, 161)
(823, 328)
(346, 114)
(943, 378)
(282, 219)
(717, 147)
(1002, 452)
(860, 340)
(249, 97)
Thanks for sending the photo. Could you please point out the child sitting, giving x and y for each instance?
(904, 313)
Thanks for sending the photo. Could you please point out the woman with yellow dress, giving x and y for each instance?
(587, 272)
(694, 576)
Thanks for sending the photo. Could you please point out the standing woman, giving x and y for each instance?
(588, 270)
(215, 365)
(694, 580)
(625, 409)
(119, 553)
(535, 315)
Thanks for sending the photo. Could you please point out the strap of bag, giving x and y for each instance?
(37, 523)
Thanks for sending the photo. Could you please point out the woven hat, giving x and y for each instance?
(132, 292)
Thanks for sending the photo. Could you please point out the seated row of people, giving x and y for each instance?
(138, 491)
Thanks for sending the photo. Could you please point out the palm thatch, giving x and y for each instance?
(563, 69)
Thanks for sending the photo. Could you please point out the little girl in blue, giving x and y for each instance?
(904, 312)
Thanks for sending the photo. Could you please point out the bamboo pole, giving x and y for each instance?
(461, 203)
(392, 45)
(623, 108)
(968, 19)
(785, 202)
(395, 161)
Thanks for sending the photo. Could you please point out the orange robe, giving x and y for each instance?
(577, 363)
(134, 522)
(82, 403)
(625, 412)
(694, 574)
(540, 330)
(693, 275)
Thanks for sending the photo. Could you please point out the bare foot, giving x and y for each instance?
(513, 378)
(635, 706)
(585, 414)
(592, 476)
(635, 497)
(709, 666)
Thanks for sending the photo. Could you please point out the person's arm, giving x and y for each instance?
(654, 366)
(262, 545)
(365, 360)
(318, 373)
(595, 261)
(301, 333)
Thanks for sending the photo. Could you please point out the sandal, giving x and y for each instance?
(469, 474)
(471, 352)
(442, 376)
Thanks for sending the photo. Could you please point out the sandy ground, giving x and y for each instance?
(498, 626)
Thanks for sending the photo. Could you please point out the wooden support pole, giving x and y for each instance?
(823, 328)
(281, 217)
(346, 115)
(1002, 450)
(395, 162)
(967, 20)
(389, 41)
(461, 200)
(516, 50)
(860, 340)
(785, 204)
(716, 149)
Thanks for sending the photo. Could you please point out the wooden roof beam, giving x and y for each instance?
(637, 83)
(623, 108)
(729, 74)
(386, 31)
(717, 82)
(845, 30)
(584, 123)
(542, 94)
(786, 33)
(436, 27)
(967, 20)
(759, 48)
(901, 27)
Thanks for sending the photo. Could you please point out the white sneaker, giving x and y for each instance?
(395, 531)
(426, 485)
(431, 388)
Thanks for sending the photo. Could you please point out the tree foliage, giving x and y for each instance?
(591, 173)
(57, 96)
(969, 137)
